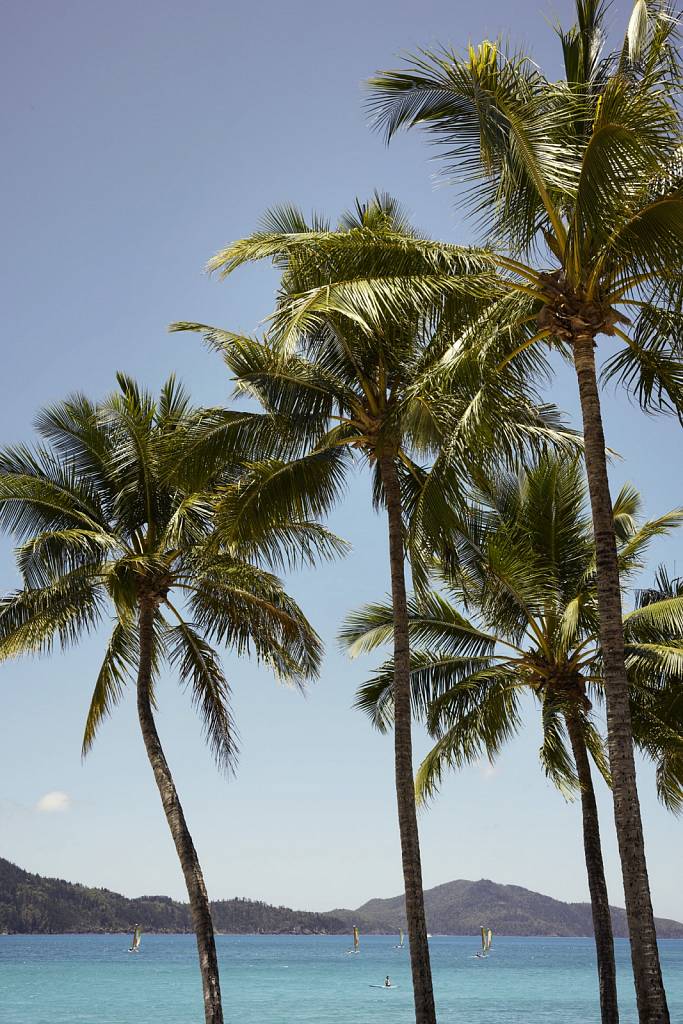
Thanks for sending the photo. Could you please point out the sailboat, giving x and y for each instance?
(356, 941)
(135, 942)
(400, 939)
(486, 940)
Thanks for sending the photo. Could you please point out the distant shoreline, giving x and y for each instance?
(305, 935)
(32, 904)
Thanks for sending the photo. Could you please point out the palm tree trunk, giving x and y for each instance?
(194, 880)
(650, 995)
(425, 1012)
(597, 885)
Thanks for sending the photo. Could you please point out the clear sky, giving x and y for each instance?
(138, 139)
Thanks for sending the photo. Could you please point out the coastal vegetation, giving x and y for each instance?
(106, 523)
(349, 381)
(524, 574)
(427, 364)
(32, 904)
(577, 187)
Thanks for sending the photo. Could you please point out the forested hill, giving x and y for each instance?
(31, 903)
(461, 907)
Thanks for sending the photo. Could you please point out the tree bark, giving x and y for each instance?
(597, 885)
(650, 995)
(187, 855)
(425, 1012)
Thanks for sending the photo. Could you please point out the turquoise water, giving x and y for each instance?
(92, 979)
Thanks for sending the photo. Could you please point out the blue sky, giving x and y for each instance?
(139, 139)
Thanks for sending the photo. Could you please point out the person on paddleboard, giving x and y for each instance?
(387, 982)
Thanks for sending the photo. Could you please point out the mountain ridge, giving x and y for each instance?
(34, 904)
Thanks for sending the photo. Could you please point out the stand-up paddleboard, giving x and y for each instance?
(383, 986)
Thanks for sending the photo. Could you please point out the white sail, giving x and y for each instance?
(356, 941)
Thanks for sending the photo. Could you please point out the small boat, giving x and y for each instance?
(486, 940)
(135, 942)
(400, 940)
(356, 941)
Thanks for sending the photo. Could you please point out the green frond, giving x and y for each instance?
(199, 668)
(649, 366)
(274, 493)
(597, 748)
(498, 122)
(288, 220)
(47, 556)
(657, 717)
(555, 757)
(31, 620)
(626, 509)
(664, 587)
(489, 718)
(74, 433)
(432, 622)
(286, 545)
(248, 610)
(41, 496)
(120, 503)
(190, 522)
(631, 553)
(118, 667)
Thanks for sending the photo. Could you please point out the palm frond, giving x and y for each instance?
(273, 493)
(486, 723)
(31, 620)
(247, 609)
(199, 667)
(118, 666)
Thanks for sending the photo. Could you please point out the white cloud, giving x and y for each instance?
(54, 801)
(488, 770)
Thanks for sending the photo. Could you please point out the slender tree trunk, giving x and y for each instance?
(597, 885)
(194, 880)
(650, 995)
(425, 1012)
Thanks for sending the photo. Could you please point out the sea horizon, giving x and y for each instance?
(308, 935)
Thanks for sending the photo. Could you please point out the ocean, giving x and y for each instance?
(92, 979)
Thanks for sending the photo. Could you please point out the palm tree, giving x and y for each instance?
(579, 187)
(664, 586)
(352, 379)
(102, 523)
(657, 710)
(527, 577)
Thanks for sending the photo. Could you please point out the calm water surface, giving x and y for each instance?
(92, 979)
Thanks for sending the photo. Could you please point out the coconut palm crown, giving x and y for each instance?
(526, 577)
(110, 535)
(348, 379)
(578, 188)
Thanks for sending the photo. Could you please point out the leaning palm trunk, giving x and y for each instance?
(651, 998)
(194, 880)
(425, 1012)
(602, 920)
